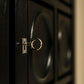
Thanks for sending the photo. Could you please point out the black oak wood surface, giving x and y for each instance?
(20, 32)
(51, 21)
(4, 41)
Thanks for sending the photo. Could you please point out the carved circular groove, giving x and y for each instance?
(45, 17)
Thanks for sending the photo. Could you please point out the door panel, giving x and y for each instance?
(64, 43)
(20, 32)
(40, 26)
(4, 42)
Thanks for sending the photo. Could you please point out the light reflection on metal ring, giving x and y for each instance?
(32, 46)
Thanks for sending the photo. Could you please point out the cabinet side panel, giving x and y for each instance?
(4, 42)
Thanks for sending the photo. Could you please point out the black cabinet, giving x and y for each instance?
(36, 45)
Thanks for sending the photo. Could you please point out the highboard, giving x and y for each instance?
(37, 42)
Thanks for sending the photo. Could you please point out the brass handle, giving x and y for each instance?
(32, 44)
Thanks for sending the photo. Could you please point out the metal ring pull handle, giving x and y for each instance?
(32, 44)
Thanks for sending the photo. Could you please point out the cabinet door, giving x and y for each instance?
(40, 26)
(20, 32)
(64, 43)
